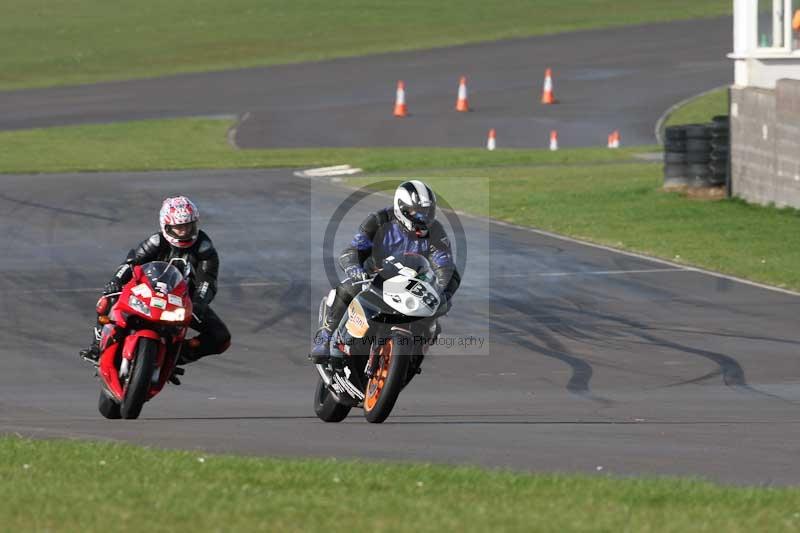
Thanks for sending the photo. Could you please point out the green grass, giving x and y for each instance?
(77, 486)
(621, 205)
(700, 109)
(201, 143)
(54, 42)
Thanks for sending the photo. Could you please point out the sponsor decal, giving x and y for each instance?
(175, 300)
(357, 324)
(142, 290)
(158, 303)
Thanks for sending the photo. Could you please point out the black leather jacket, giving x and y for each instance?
(381, 236)
(201, 255)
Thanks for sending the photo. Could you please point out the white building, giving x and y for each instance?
(766, 42)
(765, 102)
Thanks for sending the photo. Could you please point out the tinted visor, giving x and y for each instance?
(183, 232)
(420, 217)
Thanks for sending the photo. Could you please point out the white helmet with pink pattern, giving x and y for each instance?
(178, 219)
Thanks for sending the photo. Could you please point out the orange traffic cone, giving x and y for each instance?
(613, 139)
(547, 92)
(462, 104)
(400, 109)
(491, 142)
(554, 140)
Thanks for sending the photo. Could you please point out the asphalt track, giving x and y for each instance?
(622, 78)
(593, 361)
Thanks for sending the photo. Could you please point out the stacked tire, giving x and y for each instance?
(696, 155)
(720, 150)
(676, 172)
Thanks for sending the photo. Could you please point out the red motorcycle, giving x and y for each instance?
(142, 337)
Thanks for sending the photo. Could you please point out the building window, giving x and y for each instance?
(770, 23)
(795, 24)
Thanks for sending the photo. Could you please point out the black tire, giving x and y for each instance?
(718, 157)
(720, 132)
(718, 169)
(674, 158)
(675, 133)
(699, 171)
(720, 123)
(716, 181)
(698, 158)
(698, 145)
(697, 131)
(108, 406)
(719, 147)
(700, 182)
(673, 145)
(401, 351)
(676, 171)
(325, 405)
(141, 374)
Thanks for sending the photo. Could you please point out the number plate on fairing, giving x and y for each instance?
(410, 296)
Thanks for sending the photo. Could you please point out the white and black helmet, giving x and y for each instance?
(415, 206)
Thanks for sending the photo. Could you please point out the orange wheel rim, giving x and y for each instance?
(378, 381)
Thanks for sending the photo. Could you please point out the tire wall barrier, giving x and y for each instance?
(765, 144)
(696, 155)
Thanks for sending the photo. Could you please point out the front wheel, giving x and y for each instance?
(141, 375)
(390, 376)
(326, 406)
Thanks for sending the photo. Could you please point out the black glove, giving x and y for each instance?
(356, 274)
(112, 286)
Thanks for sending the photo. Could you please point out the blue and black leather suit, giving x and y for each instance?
(380, 236)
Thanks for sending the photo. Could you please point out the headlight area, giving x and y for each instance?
(137, 305)
(178, 315)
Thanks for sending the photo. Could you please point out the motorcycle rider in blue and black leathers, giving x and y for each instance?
(408, 227)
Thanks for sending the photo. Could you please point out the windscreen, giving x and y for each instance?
(415, 262)
(163, 276)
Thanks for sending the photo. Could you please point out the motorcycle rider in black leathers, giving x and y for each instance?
(409, 226)
(179, 238)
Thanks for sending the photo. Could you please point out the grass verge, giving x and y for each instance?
(200, 143)
(700, 109)
(80, 41)
(85, 486)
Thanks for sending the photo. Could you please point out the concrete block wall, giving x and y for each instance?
(765, 144)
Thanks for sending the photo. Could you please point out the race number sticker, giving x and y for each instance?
(428, 298)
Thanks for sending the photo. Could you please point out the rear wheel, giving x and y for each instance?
(325, 405)
(390, 376)
(108, 407)
(141, 374)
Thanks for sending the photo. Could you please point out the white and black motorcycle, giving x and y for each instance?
(383, 338)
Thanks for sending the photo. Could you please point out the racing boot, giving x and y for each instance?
(321, 348)
(92, 353)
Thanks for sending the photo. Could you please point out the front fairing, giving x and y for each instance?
(169, 306)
